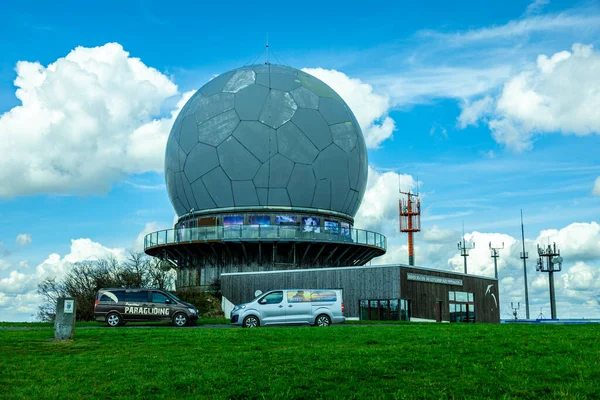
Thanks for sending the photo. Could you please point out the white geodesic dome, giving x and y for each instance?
(266, 136)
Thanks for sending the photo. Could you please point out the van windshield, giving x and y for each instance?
(172, 295)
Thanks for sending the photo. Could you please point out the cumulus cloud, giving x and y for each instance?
(471, 112)
(561, 94)
(23, 239)
(379, 208)
(577, 241)
(370, 108)
(85, 120)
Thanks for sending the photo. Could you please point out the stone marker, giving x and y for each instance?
(64, 323)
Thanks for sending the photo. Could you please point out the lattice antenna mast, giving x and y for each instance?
(553, 264)
(464, 248)
(410, 218)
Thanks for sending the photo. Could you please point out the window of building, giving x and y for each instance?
(461, 306)
(384, 310)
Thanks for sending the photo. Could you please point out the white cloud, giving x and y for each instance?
(23, 239)
(596, 189)
(101, 102)
(582, 277)
(369, 108)
(379, 208)
(4, 265)
(577, 241)
(138, 244)
(472, 112)
(561, 94)
(536, 6)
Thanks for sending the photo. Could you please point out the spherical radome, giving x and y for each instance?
(266, 135)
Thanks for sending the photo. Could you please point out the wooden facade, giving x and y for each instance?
(427, 290)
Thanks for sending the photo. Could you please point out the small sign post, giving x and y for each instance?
(64, 322)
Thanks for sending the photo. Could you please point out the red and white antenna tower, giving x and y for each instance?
(410, 219)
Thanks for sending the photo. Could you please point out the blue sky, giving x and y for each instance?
(493, 109)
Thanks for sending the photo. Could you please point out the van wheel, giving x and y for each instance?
(323, 320)
(113, 320)
(251, 322)
(180, 320)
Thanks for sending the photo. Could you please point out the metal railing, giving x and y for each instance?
(262, 233)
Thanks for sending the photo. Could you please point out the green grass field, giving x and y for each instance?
(351, 361)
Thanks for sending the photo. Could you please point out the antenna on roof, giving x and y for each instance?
(267, 49)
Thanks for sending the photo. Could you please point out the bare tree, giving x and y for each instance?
(85, 278)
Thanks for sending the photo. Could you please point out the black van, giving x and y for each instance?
(115, 306)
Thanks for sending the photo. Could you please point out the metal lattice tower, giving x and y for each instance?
(410, 220)
(553, 264)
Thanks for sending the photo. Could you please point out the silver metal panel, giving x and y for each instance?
(249, 102)
(294, 145)
(219, 187)
(237, 162)
(244, 193)
(314, 127)
(278, 109)
(217, 129)
(202, 159)
(257, 138)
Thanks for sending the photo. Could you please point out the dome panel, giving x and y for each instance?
(217, 84)
(172, 155)
(261, 179)
(318, 87)
(203, 199)
(217, 129)
(354, 168)
(279, 197)
(181, 195)
(332, 163)
(322, 197)
(236, 160)
(263, 194)
(244, 193)
(312, 124)
(304, 98)
(284, 82)
(332, 111)
(280, 170)
(249, 102)
(293, 144)
(278, 109)
(179, 208)
(301, 186)
(170, 183)
(258, 138)
(214, 105)
(190, 139)
(344, 136)
(241, 79)
(192, 105)
(218, 186)
(202, 159)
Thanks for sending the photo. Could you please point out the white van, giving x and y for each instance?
(320, 307)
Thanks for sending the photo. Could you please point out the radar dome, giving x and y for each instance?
(266, 136)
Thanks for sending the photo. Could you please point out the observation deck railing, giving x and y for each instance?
(238, 233)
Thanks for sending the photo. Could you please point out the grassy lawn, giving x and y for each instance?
(350, 361)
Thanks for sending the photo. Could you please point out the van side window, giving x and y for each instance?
(273, 298)
(109, 298)
(159, 298)
(137, 297)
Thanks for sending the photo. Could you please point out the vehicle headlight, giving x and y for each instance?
(192, 310)
(236, 308)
